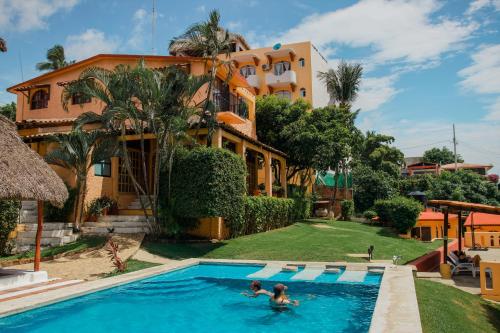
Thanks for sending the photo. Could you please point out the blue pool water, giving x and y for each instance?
(207, 298)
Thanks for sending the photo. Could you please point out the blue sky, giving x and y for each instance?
(428, 63)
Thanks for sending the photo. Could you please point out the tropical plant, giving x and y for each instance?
(441, 156)
(77, 151)
(98, 206)
(3, 45)
(370, 185)
(55, 59)
(9, 111)
(9, 214)
(114, 255)
(208, 40)
(142, 100)
(400, 212)
(342, 83)
(375, 151)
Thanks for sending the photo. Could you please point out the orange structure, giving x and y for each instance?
(430, 226)
(482, 229)
(489, 275)
(40, 114)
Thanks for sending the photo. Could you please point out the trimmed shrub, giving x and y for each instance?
(369, 214)
(209, 182)
(55, 214)
(347, 209)
(264, 213)
(9, 215)
(400, 212)
(302, 202)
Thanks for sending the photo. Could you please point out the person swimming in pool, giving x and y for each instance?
(279, 299)
(256, 288)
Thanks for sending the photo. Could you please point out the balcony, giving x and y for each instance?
(286, 79)
(230, 108)
(253, 81)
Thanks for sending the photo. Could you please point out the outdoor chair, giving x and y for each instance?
(462, 266)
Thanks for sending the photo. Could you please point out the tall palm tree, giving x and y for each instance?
(77, 151)
(143, 100)
(208, 40)
(342, 83)
(55, 59)
(3, 45)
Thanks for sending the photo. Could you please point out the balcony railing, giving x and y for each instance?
(227, 102)
(286, 78)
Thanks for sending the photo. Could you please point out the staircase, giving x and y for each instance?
(136, 204)
(53, 234)
(120, 224)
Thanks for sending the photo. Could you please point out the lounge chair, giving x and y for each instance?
(462, 266)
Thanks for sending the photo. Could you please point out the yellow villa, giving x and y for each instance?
(40, 114)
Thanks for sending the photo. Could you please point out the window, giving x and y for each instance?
(284, 94)
(247, 70)
(80, 99)
(302, 92)
(302, 62)
(40, 99)
(281, 67)
(103, 168)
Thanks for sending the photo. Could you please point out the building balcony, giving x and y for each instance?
(287, 79)
(231, 109)
(253, 81)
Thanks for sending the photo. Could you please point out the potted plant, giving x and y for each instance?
(101, 207)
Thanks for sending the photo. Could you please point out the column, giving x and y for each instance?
(217, 139)
(241, 149)
(283, 177)
(445, 235)
(268, 180)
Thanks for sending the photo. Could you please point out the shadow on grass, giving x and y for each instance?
(493, 313)
(180, 250)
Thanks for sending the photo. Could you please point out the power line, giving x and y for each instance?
(426, 144)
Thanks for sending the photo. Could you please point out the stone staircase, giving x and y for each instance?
(136, 204)
(120, 224)
(53, 234)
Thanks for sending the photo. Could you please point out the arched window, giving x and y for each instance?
(247, 70)
(284, 94)
(302, 62)
(40, 99)
(302, 92)
(281, 67)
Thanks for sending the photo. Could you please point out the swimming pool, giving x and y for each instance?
(207, 298)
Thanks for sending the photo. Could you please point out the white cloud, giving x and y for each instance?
(375, 91)
(25, 15)
(399, 30)
(477, 5)
(201, 8)
(140, 20)
(89, 43)
(483, 76)
(234, 25)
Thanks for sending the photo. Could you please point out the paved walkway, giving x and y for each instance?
(144, 255)
(89, 265)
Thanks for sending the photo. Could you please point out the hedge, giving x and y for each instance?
(9, 214)
(402, 213)
(347, 209)
(209, 182)
(264, 213)
(302, 202)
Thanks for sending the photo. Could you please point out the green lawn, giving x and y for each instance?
(82, 243)
(304, 242)
(132, 266)
(447, 309)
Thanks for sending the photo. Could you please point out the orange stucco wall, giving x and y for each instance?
(436, 227)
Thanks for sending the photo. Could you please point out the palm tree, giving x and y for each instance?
(143, 100)
(77, 151)
(56, 59)
(343, 83)
(3, 45)
(208, 40)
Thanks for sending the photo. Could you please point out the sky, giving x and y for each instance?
(427, 64)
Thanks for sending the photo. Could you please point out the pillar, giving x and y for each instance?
(217, 139)
(460, 232)
(268, 171)
(241, 149)
(445, 235)
(38, 240)
(283, 176)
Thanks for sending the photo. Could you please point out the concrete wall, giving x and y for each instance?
(320, 96)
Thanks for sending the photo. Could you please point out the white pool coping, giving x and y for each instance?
(396, 308)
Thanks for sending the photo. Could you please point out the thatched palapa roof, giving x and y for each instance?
(181, 47)
(3, 45)
(24, 175)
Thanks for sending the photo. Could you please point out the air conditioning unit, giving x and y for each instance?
(266, 67)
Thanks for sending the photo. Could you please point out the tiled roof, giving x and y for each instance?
(483, 219)
(432, 216)
(451, 166)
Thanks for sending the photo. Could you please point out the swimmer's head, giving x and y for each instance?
(255, 285)
(279, 289)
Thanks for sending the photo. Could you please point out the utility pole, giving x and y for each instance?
(455, 147)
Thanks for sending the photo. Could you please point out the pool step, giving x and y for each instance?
(9, 294)
(266, 272)
(352, 276)
(310, 273)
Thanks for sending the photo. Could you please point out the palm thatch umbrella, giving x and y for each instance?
(181, 47)
(24, 175)
(3, 45)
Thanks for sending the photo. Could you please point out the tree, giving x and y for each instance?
(371, 185)
(9, 110)
(208, 40)
(441, 156)
(143, 100)
(343, 83)
(55, 59)
(3, 45)
(77, 152)
(374, 150)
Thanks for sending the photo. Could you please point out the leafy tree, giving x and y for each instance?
(375, 151)
(342, 83)
(77, 152)
(3, 45)
(9, 111)
(208, 40)
(370, 185)
(55, 59)
(441, 156)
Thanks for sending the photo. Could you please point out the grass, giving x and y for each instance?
(305, 242)
(81, 244)
(132, 266)
(447, 309)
